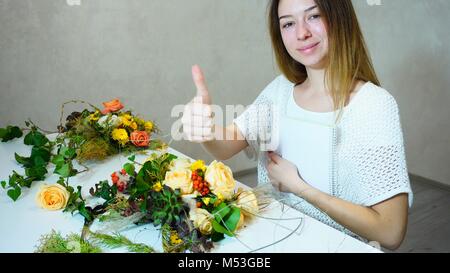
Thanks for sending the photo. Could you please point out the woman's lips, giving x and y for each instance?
(308, 49)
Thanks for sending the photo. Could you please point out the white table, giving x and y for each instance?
(22, 222)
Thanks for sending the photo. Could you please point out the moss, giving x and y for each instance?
(54, 242)
(95, 149)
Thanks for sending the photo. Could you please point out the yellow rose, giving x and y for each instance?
(180, 180)
(180, 164)
(202, 220)
(52, 197)
(220, 179)
(247, 202)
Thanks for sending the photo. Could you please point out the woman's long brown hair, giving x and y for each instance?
(348, 57)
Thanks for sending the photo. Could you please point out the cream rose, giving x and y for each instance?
(113, 121)
(180, 180)
(246, 200)
(52, 197)
(180, 164)
(220, 179)
(202, 220)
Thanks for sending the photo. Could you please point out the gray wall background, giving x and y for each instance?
(141, 51)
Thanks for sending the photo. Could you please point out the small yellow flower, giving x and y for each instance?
(126, 120)
(95, 116)
(198, 165)
(219, 200)
(120, 135)
(206, 200)
(157, 187)
(174, 239)
(133, 125)
(148, 126)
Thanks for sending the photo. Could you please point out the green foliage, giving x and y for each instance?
(226, 218)
(105, 191)
(54, 242)
(166, 206)
(35, 138)
(154, 171)
(76, 201)
(129, 168)
(118, 240)
(35, 166)
(10, 133)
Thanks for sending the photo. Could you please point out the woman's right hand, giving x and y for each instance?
(197, 120)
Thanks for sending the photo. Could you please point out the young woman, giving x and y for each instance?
(328, 79)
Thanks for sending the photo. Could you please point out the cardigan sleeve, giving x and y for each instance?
(380, 161)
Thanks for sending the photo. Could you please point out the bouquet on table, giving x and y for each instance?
(87, 135)
(193, 204)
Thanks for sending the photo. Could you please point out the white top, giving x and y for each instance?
(369, 157)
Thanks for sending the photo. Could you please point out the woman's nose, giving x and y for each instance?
(303, 32)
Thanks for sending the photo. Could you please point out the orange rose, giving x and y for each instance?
(112, 106)
(140, 138)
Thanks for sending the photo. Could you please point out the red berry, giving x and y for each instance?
(123, 172)
(199, 204)
(115, 179)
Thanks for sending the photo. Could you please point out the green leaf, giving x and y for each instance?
(25, 161)
(3, 183)
(132, 158)
(40, 152)
(58, 159)
(16, 132)
(10, 133)
(39, 161)
(221, 211)
(142, 186)
(217, 236)
(35, 138)
(37, 172)
(14, 193)
(219, 228)
(64, 170)
(67, 152)
(83, 211)
(129, 168)
(233, 219)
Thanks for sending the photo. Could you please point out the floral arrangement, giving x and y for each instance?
(88, 135)
(193, 204)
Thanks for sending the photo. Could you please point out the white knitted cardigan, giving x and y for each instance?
(369, 158)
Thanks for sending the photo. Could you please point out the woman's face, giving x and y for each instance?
(304, 32)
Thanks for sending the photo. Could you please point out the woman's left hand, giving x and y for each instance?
(284, 175)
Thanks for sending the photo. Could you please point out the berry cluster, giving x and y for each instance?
(120, 179)
(200, 185)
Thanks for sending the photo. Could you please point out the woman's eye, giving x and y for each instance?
(312, 17)
(287, 25)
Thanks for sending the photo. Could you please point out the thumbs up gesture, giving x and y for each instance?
(197, 120)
